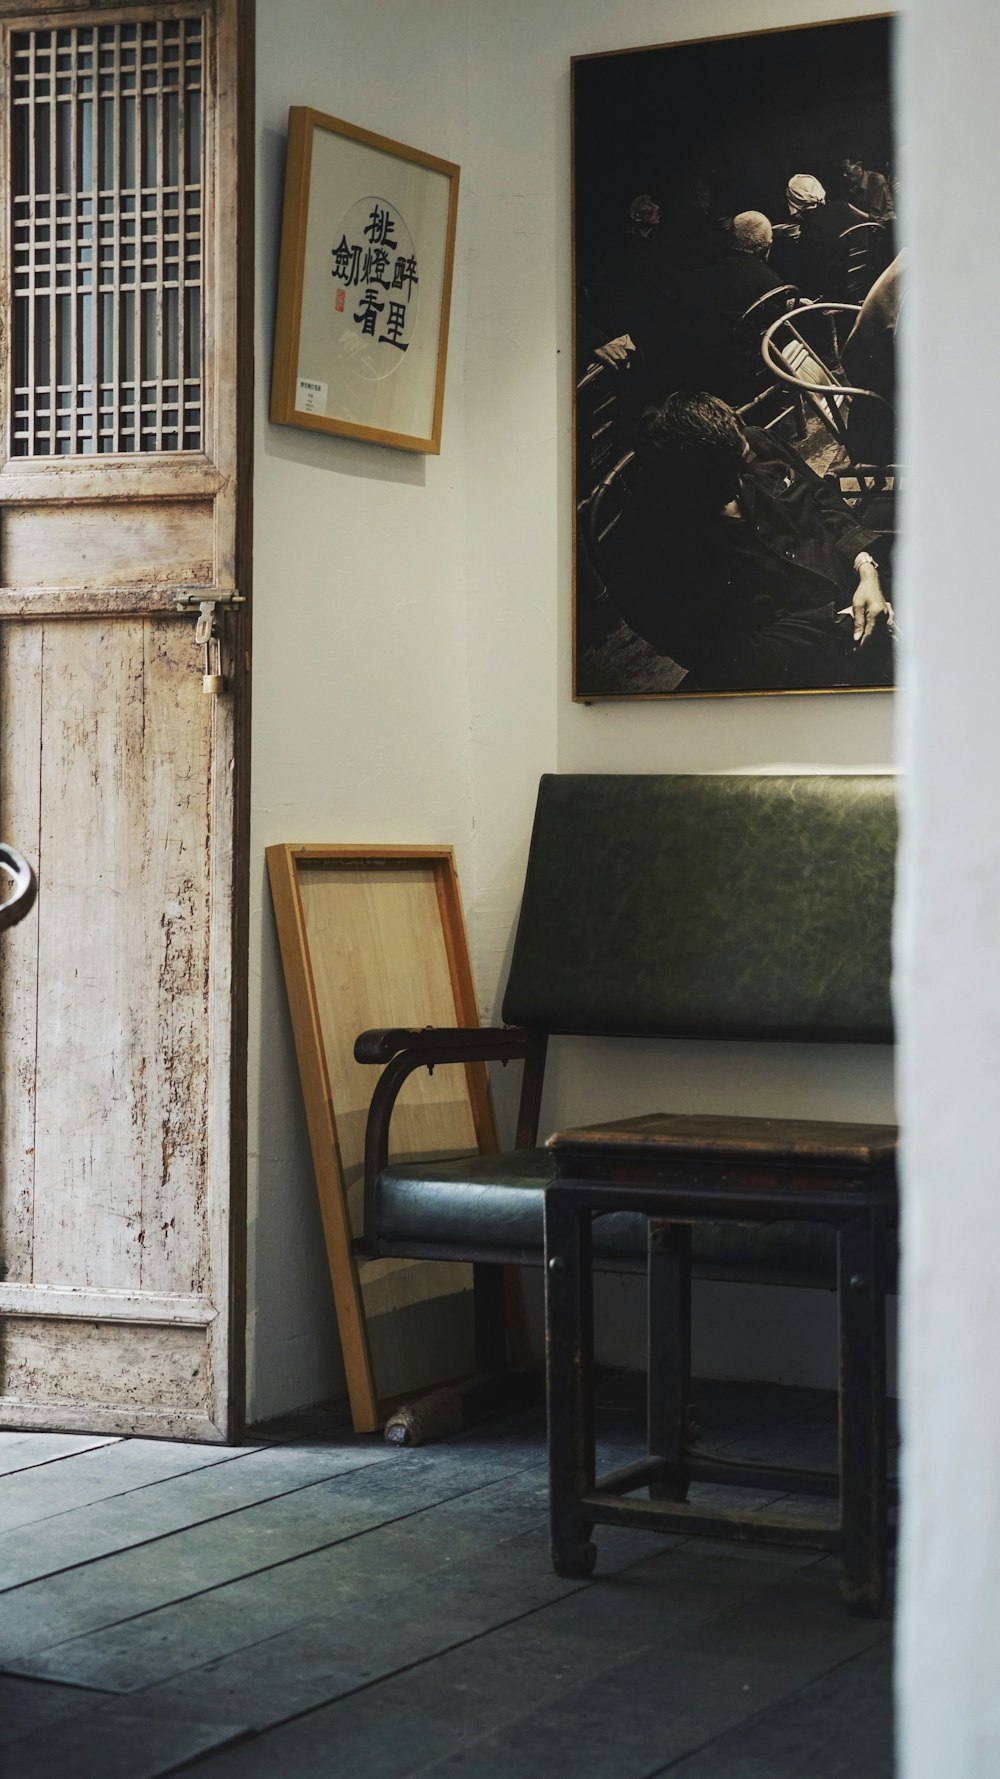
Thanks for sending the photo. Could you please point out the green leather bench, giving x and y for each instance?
(724, 907)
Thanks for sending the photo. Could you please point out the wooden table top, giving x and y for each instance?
(722, 1138)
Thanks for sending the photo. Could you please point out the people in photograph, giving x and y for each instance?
(627, 292)
(809, 249)
(696, 234)
(643, 215)
(628, 265)
(720, 354)
(617, 353)
(868, 192)
(593, 345)
(869, 360)
(803, 194)
(741, 564)
(634, 302)
(741, 274)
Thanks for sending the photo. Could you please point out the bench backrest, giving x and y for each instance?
(716, 907)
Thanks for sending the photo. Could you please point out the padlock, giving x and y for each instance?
(212, 680)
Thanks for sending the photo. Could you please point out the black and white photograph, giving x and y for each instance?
(738, 270)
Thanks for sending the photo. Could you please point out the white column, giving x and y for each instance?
(948, 944)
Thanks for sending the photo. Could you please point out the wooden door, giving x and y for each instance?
(124, 494)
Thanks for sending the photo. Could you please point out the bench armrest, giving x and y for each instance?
(402, 1051)
(475, 1043)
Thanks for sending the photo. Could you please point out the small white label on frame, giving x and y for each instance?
(310, 397)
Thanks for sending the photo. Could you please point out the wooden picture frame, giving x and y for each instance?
(371, 936)
(734, 206)
(364, 288)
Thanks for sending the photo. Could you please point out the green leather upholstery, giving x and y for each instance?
(723, 907)
(492, 1206)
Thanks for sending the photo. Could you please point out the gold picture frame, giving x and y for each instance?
(364, 288)
(375, 936)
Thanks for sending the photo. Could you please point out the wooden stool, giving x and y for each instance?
(679, 1170)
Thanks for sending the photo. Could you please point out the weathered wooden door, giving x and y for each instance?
(122, 493)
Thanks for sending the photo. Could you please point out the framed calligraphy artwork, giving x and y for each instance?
(364, 288)
(739, 277)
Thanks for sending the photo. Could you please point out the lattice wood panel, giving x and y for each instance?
(107, 201)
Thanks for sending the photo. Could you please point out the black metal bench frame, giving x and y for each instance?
(636, 888)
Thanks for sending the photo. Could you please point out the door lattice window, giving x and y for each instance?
(107, 235)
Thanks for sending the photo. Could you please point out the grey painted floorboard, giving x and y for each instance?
(30, 1705)
(350, 1570)
(310, 1609)
(25, 1451)
(27, 1496)
(176, 1504)
(664, 1700)
(201, 1558)
(809, 1438)
(119, 1743)
(590, 1670)
(838, 1727)
(365, 1628)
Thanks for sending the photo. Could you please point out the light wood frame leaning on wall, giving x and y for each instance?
(364, 287)
(376, 936)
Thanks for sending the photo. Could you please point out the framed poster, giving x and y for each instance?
(738, 284)
(364, 288)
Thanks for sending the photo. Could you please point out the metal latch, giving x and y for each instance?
(207, 636)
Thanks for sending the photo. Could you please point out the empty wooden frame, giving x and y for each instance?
(375, 936)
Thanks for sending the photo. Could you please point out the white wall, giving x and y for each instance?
(425, 704)
(949, 927)
(360, 684)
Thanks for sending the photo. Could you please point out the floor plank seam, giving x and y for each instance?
(304, 1681)
(465, 1642)
(265, 1569)
(754, 1593)
(60, 1458)
(365, 1686)
(73, 1686)
(211, 1519)
(120, 1494)
(747, 1723)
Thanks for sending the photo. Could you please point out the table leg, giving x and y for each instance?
(863, 1493)
(669, 1339)
(569, 1343)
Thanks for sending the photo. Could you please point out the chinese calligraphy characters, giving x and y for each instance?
(375, 259)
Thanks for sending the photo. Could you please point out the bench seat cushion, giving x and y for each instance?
(492, 1207)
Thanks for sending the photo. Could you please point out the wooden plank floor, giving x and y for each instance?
(314, 1602)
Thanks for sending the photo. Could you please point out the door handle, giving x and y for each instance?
(19, 873)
